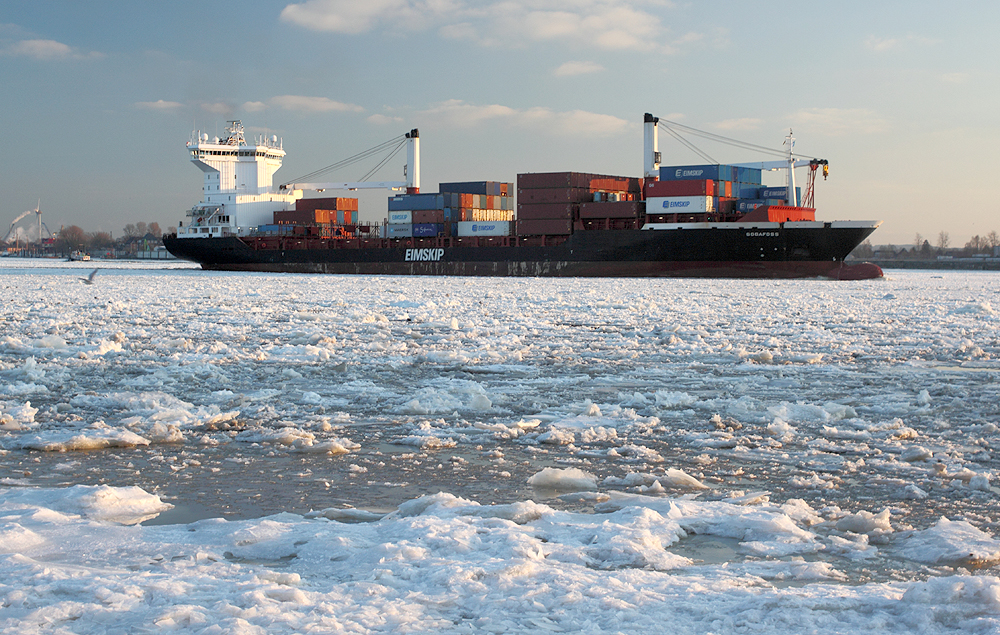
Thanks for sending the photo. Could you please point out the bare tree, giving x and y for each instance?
(943, 240)
(130, 231)
(100, 240)
(975, 244)
(918, 240)
(72, 238)
(154, 229)
(993, 239)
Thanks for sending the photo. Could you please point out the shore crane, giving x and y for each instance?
(38, 214)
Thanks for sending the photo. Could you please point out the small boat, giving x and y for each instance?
(79, 256)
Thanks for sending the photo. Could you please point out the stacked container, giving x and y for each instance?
(319, 211)
(687, 193)
(552, 203)
(454, 210)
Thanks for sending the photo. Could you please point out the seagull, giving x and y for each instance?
(89, 279)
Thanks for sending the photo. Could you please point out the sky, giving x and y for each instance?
(901, 98)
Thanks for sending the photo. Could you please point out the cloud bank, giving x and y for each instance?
(49, 50)
(603, 24)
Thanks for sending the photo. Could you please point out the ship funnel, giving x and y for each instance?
(651, 147)
(413, 162)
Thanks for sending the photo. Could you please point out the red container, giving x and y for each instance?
(565, 211)
(554, 195)
(428, 216)
(534, 180)
(545, 227)
(615, 183)
(610, 209)
(301, 217)
(680, 188)
(334, 203)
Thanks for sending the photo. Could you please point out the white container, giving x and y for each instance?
(678, 205)
(399, 230)
(401, 218)
(484, 228)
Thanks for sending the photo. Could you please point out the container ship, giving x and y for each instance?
(710, 220)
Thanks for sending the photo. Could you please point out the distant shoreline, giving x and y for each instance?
(966, 264)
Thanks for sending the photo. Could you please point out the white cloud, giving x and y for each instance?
(341, 16)
(253, 106)
(301, 103)
(882, 44)
(956, 78)
(456, 113)
(836, 122)
(602, 24)
(160, 105)
(570, 69)
(48, 50)
(746, 123)
(380, 120)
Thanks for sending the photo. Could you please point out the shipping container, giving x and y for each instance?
(746, 205)
(554, 195)
(427, 229)
(490, 215)
(405, 202)
(547, 210)
(480, 228)
(700, 187)
(780, 193)
(698, 172)
(400, 218)
(535, 180)
(428, 216)
(302, 217)
(549, 227)
(398, 231)
(679, 205)
(611, 209)
(274, 229)
(334, 203)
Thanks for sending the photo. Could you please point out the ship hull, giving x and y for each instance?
(721, 251)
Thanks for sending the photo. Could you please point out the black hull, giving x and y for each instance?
(729, 252)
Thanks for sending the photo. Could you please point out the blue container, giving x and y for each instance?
(467, 187)
(424, 230)
(748, 205)
(274, 229)
(748, 175)
(745, 190)
(779, 193)
(398, 231)
(405, 202)
(720, 172)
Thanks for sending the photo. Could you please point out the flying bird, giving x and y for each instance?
(89, 279)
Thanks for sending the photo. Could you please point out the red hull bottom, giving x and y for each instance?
(836, 270)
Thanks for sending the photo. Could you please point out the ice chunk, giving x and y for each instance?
(955, 543)
(568, 479)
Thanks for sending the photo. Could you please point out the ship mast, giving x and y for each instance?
(790, 193)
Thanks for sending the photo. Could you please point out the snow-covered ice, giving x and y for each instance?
(251, 453)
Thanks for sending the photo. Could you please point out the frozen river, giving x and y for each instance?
(229, 452)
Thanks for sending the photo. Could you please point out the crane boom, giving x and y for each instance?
(363, 185)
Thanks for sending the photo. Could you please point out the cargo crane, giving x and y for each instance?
(411, 171)
(38, 214)
(652, 156)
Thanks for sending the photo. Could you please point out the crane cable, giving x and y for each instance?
(382, 147)
(382, 163)
(668, 125)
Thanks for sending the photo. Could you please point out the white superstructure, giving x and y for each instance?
(238, 192)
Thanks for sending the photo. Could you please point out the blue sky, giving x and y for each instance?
(901, 97)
